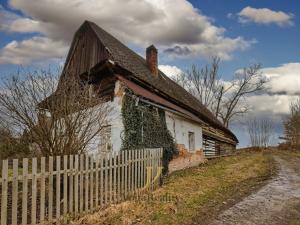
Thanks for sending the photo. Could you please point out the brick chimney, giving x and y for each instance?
(151, 59)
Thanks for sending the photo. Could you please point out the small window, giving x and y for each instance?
(105, 140)
(191, 141)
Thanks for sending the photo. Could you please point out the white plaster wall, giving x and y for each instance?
(180, 127)
(115, 120)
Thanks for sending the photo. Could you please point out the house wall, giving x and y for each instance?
(179, 128)
(116, 123)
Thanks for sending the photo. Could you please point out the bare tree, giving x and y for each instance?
(224, 99)
(260, 131)
(64, 120)
(245, 83)
(292, 125)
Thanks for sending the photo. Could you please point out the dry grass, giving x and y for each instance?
(199, 193)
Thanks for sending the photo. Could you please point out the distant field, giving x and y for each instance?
(199, 193)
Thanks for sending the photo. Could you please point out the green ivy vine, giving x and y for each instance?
(145, 127)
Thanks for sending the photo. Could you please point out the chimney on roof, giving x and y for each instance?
(151, 59)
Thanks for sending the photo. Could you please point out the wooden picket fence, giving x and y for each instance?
(57, 189)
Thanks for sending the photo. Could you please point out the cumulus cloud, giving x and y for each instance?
(270, 104)
(284, 79)
(265, 16)
(170, 71)
(281, 89)
(175, 26)
(35, 48)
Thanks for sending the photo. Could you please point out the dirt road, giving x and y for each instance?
(276, 203)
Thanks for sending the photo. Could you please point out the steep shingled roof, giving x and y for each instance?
(131, 61)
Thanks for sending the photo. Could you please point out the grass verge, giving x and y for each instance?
(199, 193)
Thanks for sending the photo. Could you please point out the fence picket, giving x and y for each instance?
(50, 190)
(139, 171)
(143, 168)
(81, 184)
(57, 209)
(76, 186)
(14, 209)
(42, 197)
(34, 189)
(86, 189)
(115, 177)
(24, 191)
(101, 179)
(130, 171)
(65, 186)
(71, 184)
(135, 179)
(110, 177)
(97, 183)
(92, 183)
(125, 173)
(105, 179)
(4, 192)
(119, 177)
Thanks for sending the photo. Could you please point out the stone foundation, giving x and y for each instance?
(186, 159)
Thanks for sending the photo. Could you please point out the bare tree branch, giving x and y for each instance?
(57, 121)
(224, 98)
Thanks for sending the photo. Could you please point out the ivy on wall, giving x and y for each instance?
(145, 127)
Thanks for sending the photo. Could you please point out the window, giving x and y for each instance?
(105, 140)
(191, 141)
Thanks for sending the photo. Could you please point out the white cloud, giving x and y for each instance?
(270, 104)
(33, 49)
(265, 16)
(281, 89)
(284, 79)
(175, 26)
(170, 71)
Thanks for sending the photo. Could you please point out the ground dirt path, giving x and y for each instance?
(277, 203)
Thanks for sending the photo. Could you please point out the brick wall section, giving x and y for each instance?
(186, 159)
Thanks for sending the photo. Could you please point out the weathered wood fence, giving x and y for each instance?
(56, 189)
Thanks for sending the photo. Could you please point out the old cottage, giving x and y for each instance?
(116, 73)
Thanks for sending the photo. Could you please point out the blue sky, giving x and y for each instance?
(275, 45)
(37, 34)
